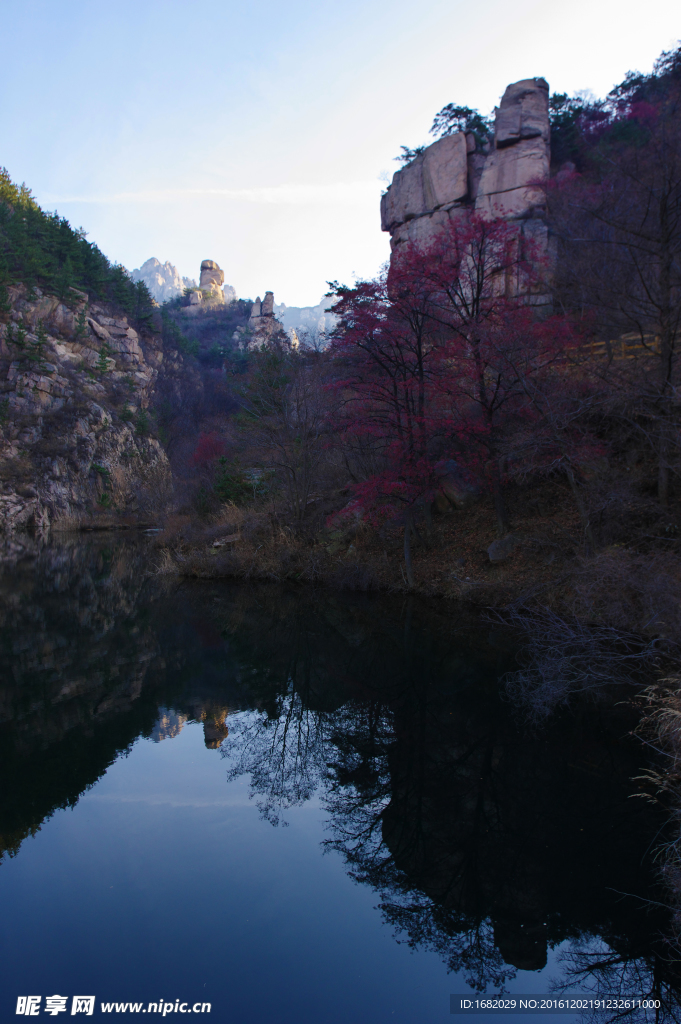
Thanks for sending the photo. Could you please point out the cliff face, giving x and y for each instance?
(75, 384)
(456, 173)
(163, 280)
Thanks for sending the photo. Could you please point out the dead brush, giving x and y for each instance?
(562, 661)
(625, 590)
(660, 727)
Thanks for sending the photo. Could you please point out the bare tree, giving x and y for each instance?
(619, 240)
(284, 422)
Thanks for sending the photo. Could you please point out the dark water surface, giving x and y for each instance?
(300, 806)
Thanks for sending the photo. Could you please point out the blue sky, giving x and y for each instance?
(257, 134)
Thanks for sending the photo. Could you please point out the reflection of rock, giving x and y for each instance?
(169, 725)
(214, 729)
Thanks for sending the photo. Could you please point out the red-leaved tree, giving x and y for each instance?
(209, 447)
(436, 355)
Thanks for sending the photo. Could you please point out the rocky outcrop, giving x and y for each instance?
(436, 181)
(163, 280)
(520, 155)
(212, 280)
(263, 329)
(75, 385)
(210, 291)
(456, 173)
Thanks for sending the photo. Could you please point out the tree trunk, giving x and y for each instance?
(664, 441)
(663, 473)
(407, 552)
(428, 516)
(589, 543)
(503, 525)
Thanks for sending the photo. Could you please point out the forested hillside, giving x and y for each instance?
(42, 249)
(81, 364)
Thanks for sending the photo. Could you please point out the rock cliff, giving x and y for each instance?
(212, 279)
(76, 381)
(458, 173)
(263, 328)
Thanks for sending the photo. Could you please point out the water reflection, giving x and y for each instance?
(485, 842)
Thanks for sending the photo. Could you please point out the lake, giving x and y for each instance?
(300, 806)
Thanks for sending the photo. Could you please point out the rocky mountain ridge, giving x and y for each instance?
(163, 280)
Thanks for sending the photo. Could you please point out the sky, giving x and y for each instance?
(260, 134)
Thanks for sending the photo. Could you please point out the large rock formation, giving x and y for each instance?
(520, 155)
(210, 291)
(212, 279)
(165, 282)
(456, 173)
(162, 279)
(432, 185)
(263, 329)
(75, 384)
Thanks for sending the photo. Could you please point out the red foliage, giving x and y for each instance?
(209, 448)
(438, 353)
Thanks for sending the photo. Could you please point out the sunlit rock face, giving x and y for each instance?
(521, 152)
(456, 174)
(212, 279)
(437, 179)
(163, 280)
(264, 330)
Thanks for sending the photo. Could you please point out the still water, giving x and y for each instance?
(300, 806)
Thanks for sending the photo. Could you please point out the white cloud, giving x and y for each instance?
(289, 194)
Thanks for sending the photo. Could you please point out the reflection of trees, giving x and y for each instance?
(358, 820)
(591, 966)
(283, 753)
(485, 845)
(367, 832)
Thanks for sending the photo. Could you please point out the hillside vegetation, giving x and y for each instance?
(42, 249)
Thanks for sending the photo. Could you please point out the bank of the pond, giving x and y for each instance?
(632, 586)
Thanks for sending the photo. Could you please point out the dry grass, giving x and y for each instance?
(660, 726)
(621, 587)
